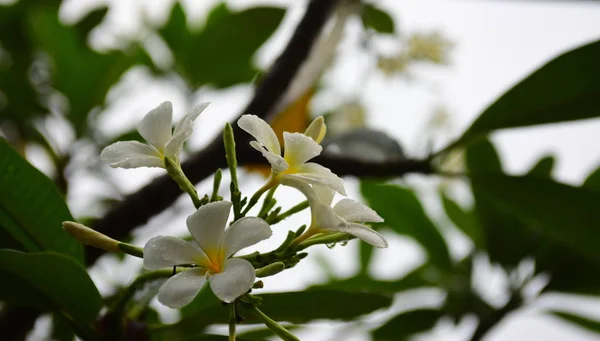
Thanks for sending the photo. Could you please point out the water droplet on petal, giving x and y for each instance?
(331, 246)
(344, 243)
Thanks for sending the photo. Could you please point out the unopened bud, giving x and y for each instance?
(87, 236)
(270, 270)
(317, 129)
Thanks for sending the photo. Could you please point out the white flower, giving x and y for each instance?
(228, 277)
(299, 148)
(155, 128)
(346, 216)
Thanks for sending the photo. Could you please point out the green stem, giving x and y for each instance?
(301, 206)
(257, 195)
(232, 321)
(326, 239)
(283, 333)
(131, 250)
(176, 173)
(216, 185)
(267, 203)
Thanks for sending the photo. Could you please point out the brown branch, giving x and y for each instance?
(159, 194)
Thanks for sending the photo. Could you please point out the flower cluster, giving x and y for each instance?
(210, 258)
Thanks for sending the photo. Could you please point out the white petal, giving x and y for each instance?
(182, 131)
(208, 223)
(367, 234)
(299, 148)
(278, 164)
(317, 129)
(181, 289)
(262, 132)
(326, 219)
(356, 212)
(316, 174)
(300, 184)
(325, 194)
(131, 154)
(243, 233)
(155, 127)
(236, 278)
(163, 252)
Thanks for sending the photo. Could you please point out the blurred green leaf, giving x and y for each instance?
(48, 279)
(294, 307)
(405, 325)
(499, 229)
(569, 215)
(263, 334)
(221, 52)
(464, 220)
(593, 180)
(61, 329)
(565, 89)
(402, 211)
(83, 75)
(585, 323)
(365, 255)
(31, 209)
(377, 19)
(91, 20)
(543, 168)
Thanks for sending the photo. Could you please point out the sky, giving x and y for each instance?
(496, 43)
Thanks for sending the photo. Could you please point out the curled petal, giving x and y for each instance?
(317, 129)
(163, 252)
(356, 212)
(131, 154)
(326, 219)
(243, 233)
(299, 148)
(182, 131)
(181, 289)
(366, 234)
(300, 184)
(278, 164)
(325, 194)
(155, 127)
(236, 278)
(316, 174)
(207, 225)
(261, 131)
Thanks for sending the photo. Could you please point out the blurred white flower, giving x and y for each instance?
(155, 128)
(346, 216)
(299, 148)
(228, 277)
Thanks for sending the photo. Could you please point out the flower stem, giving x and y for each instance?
(232, 321)
(301, 206)
(283, 333)
(176, 173)
(254, 199)
(131, 249)
(326, 239)
(216, 185)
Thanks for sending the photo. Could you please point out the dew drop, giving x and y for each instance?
(344, 243)
(331, 246)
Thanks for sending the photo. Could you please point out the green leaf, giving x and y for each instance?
(365, 254)
(31, 208)
(498, 228)
(377, 19)
(294, 307)
(263, 334)
(565, 89)
(401, 210)
(221, 52)
(405, 325)
(585, 323)
(569, 215)
(464, 220)
(48, 281)
(543, 168)
(593, 180)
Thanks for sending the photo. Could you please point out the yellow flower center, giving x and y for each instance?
(215, 260)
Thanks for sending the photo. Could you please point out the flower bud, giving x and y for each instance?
(317, 129)
(270, 270)
(87, 236)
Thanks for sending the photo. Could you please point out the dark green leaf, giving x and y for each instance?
(91, 20)
(221, 53)
(569, 215)
(402, 211)
(377, 19)
(263, 334)
(593, 180)
(366, 253)
(565, 89)
(61, 329)
(499, 229)
(591, 325)
(31, 209)
(464, 220)
(406, 324)
(543, 168)
(48, 280)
